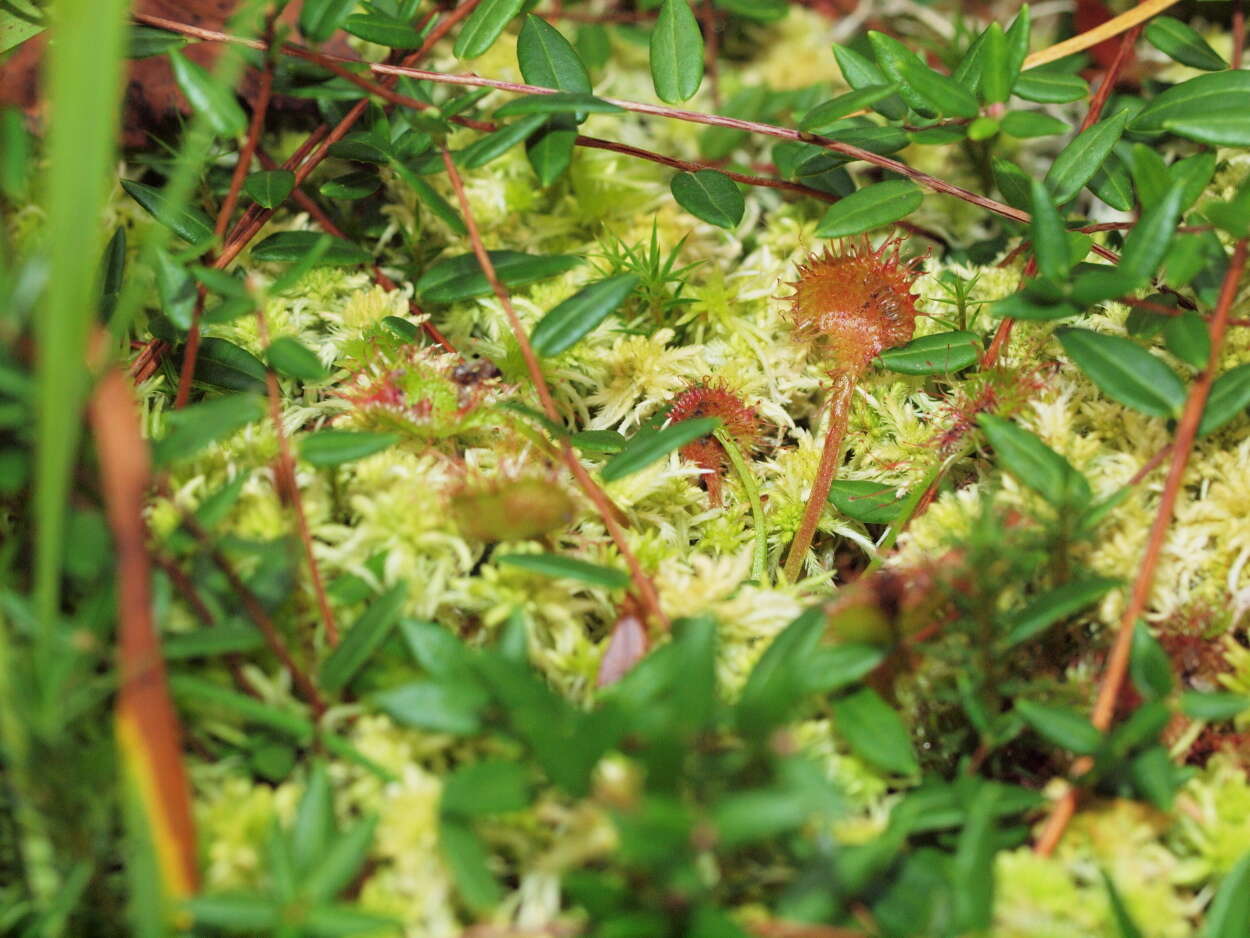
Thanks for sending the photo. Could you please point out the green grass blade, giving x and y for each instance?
(84, 91)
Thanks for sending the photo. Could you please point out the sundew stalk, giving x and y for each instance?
(850, 304)
(759, 556)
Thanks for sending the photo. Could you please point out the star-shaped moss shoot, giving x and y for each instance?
(738, 434)
(850, 304)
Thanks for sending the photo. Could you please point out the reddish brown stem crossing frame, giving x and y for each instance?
(642, 583)
(1186, 432)
(715, 120)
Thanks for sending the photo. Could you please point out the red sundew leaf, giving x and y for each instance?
(626, 648)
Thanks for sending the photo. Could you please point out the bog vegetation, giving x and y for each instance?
(620, 468)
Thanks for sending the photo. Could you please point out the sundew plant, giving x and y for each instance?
(624, 469)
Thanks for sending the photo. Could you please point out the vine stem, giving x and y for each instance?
(318, 214)
(759, 557)
(1099, 100)
(289, 481)
(1186, 433)
(839, 411)
(259, 111)
(252, 140)
(638, 107)
(335, 63)
(642, 583)
(251, 605)
(248, 227)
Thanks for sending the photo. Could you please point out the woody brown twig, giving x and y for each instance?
(642, 583)
(1186, 432)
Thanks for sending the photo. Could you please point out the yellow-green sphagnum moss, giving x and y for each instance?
(766, 324)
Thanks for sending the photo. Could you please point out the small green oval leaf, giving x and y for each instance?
(548, 59)
(676, 53)
(1181, 42)
(225, 365)
(1216, 706)
(1125, 372)
(947, 96)
(882, 203)
(286, 247)
(1229, 397)
(875, 732)
(1034, 463)
(550, 153)
(1187, 338)
(646, 447)
(1198, 99)
(188, 223)
(484, 25)
(189, 430)
(355, 185)
(1062, 727)
(385, 31)
(1050, 86)
(866, 501)
(580, 314)
(937, 354)
(823, 117)
(293, 359)
(496, 144)
(1028, 124)
(208, 97)
(1050, 607)
(711, 196)
(461, 277)
(360, 641)
(335, 447)
(319, 18)
(271, 187)
(559, 566)
(145, 42)
(1077, 162)
(1050, 240)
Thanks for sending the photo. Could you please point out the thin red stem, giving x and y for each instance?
(286, 471)
(1109, 80)
(714, 120)
(318, 214)
(1239, 32)
(711, 50)
(256, 612)
(241, 168)
(191, 351)
(1186, 432)
(642, 583)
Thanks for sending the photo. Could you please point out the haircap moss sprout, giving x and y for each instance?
(850, 303)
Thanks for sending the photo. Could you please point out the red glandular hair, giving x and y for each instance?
(853, 302)
(707, 398)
